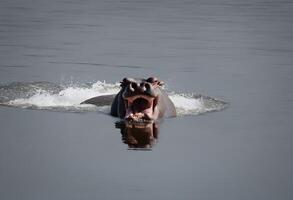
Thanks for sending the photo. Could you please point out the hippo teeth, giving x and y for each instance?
(139, 107)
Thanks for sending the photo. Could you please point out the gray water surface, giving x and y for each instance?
(239, 51)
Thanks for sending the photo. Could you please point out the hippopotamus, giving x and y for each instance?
(139, 99)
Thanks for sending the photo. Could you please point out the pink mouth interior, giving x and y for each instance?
(139, 107)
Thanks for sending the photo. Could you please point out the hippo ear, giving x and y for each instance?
(152, 79)
(126, 81)
(123, 82)
(155, 80)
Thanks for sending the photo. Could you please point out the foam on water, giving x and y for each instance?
(68, 98)
(187, 104)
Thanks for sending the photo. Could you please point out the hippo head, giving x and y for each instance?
(140, 98)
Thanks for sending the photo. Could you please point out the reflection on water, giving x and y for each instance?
(139, 135)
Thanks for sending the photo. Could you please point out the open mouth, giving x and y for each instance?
(139, 107)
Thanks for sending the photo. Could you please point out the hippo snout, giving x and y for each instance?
(135, 88)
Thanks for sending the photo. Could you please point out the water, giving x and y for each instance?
(53, 97)
(239, 51)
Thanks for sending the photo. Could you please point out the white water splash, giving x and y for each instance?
(186, 104)
(69, 99)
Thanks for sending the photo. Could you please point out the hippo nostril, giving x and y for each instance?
(133, 86)
(148, 86)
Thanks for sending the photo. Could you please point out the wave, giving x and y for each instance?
(67, 98)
